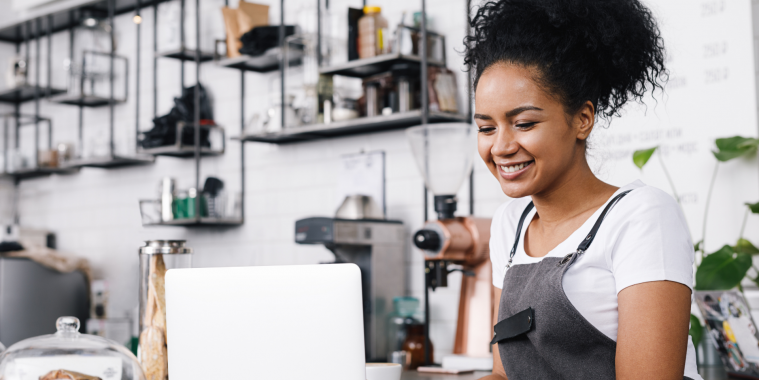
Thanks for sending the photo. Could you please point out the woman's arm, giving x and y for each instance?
(653, 331)
(498, 372)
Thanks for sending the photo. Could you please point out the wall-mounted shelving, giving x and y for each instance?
(25, 93)
(366, 67)
(352, 127)
(34, 170)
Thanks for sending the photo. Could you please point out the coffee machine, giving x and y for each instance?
(359, 234)
(444, 154)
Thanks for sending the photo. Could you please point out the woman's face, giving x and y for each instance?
(526, 138)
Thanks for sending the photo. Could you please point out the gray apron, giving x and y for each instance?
(540, 334)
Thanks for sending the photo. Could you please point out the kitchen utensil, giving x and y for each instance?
(167, 199)
(359, 207)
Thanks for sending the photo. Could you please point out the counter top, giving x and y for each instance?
(708, 373)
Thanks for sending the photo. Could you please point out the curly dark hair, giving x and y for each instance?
(603, 51)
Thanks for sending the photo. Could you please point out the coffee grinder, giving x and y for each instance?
(444, 154)
(360, 234)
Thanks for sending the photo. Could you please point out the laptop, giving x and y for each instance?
(276, 322)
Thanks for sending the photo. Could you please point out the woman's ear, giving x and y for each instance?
(584, 120)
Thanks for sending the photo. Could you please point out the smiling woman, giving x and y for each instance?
(598, 286)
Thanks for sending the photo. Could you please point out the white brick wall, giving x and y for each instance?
(95, 212)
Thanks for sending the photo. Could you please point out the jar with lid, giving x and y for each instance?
(67, 354)
(372, 33)
(157, 257)
(398, 323)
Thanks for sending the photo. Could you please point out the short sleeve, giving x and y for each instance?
(652, 242)
(497, 253)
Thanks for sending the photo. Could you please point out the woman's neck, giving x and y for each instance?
(574, 193)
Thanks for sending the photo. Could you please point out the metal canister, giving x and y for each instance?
(157, 257)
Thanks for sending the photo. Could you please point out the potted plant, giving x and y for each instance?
(725, 268)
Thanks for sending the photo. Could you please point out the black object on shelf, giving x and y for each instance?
(262, 38)
(353, 16)
(351, 127)
(165, 131)
(108, 162)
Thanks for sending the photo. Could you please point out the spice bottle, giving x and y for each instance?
(156, 257)
(372, 33)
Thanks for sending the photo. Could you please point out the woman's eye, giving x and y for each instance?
(486, 129)
(525, 125)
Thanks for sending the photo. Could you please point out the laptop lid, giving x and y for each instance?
(276, 322)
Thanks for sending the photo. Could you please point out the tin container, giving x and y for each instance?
(157, 257)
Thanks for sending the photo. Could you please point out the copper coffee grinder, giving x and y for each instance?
(444, 154)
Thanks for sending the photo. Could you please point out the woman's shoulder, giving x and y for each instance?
(644, 200)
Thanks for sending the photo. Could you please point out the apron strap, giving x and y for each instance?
(592, 235)
(519, 232)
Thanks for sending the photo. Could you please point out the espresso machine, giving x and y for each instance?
(444, 154)
(359, 234)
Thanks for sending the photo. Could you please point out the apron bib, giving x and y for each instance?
(540, 334)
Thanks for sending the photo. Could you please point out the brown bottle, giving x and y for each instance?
(414, 345)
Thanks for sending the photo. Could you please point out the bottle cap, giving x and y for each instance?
(372, 9)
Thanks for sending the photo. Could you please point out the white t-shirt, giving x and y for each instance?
(643, 238)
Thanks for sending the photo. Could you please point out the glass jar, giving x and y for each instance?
(157, 257)
(414, 346)
(68, 354)
(398, 322)
(372, 33)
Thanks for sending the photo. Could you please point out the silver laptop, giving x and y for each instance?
(278, 322)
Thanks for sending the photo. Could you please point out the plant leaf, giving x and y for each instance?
(641, 157)
(722, 270)
(696, 330)
(697, 246)
(733, 147)
(745, 246)
(754, 207)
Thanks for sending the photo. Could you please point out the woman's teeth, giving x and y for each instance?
(511, 169)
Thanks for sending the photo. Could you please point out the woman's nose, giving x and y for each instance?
(504, 145)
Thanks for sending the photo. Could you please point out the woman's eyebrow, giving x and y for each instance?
(518, 110)
(483, 117)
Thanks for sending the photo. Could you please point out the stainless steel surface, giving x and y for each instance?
(32, 298)
(165, 247)
(359, 207)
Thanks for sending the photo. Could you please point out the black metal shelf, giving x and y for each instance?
(186, 55)
(37, 172)
(26, 93)
(353, 126)
(182, 152)
(366, 67)
(84, 101)
(261, 64)
(115, 161)
(193, 222)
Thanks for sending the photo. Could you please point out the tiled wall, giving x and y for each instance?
(95, 212)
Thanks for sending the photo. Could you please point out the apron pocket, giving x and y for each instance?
(514, 325)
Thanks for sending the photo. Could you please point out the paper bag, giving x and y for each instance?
(233, 31)
(250, 15)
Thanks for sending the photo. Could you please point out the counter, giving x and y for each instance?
(708, 373)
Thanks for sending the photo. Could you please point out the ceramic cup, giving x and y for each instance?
(383, 371)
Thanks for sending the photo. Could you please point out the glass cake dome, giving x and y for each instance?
(69, 355)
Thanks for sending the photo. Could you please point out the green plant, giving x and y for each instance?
(725, 268)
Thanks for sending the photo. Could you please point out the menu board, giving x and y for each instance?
(711, 93)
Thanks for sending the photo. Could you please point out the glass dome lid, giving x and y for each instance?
(67, 354)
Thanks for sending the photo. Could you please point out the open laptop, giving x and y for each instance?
(277, 322)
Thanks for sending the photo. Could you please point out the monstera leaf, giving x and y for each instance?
(754, 207)
(722, 270)
(696, 330)
(641, 157)
(733, 147)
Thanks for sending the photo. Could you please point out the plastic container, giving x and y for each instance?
(81, 355)
(372, 33)
(157, 257)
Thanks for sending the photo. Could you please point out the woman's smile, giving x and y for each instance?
(511, 171)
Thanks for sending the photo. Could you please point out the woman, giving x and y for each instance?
(594, 281)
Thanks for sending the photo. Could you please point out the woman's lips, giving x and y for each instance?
(514, 171)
